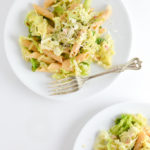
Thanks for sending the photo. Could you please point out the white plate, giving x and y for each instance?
(119, 26)
(103, 121)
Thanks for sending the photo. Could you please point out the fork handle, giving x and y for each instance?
(134, 64)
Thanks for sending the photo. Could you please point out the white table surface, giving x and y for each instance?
(30, 122)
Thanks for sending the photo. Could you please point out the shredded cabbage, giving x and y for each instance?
(37, 24)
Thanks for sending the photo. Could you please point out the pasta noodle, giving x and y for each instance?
(77, 45)
(42, 11)
(42, 70)
(48, 3)
(29, 44)
(35, 55)
(54, 67)
(138, 144)
(66, 65)
(102, 17)
(52, 55)
(105, 14)
(82, 57)
(45, 59)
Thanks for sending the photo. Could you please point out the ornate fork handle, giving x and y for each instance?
(134, 64)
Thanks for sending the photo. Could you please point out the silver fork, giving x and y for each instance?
(73, 84)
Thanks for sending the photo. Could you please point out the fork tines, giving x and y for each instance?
(64, 86)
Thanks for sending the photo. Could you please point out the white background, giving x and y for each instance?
(28, 121)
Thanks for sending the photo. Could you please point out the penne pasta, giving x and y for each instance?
(41, 70)
(52, 55)
(35, 55)
(82, 57)
(43, 12)
(41, 58)
(106, 13)
(139, 141)
(66, 65)
(102, 17)
(54, 67)
(45, 59)
(75, 49)
(29, 45)
(77, 45)
(48, 3)
(50, 29)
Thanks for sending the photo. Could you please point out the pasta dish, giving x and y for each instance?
(130, 132)
(65, 37)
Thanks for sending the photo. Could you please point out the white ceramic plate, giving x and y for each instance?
(119, 26)
(103, 121)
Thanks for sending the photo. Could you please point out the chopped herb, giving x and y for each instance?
(35, 64)
(100, 40)
(84, 68)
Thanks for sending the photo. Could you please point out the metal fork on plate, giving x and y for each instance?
(73, 84)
